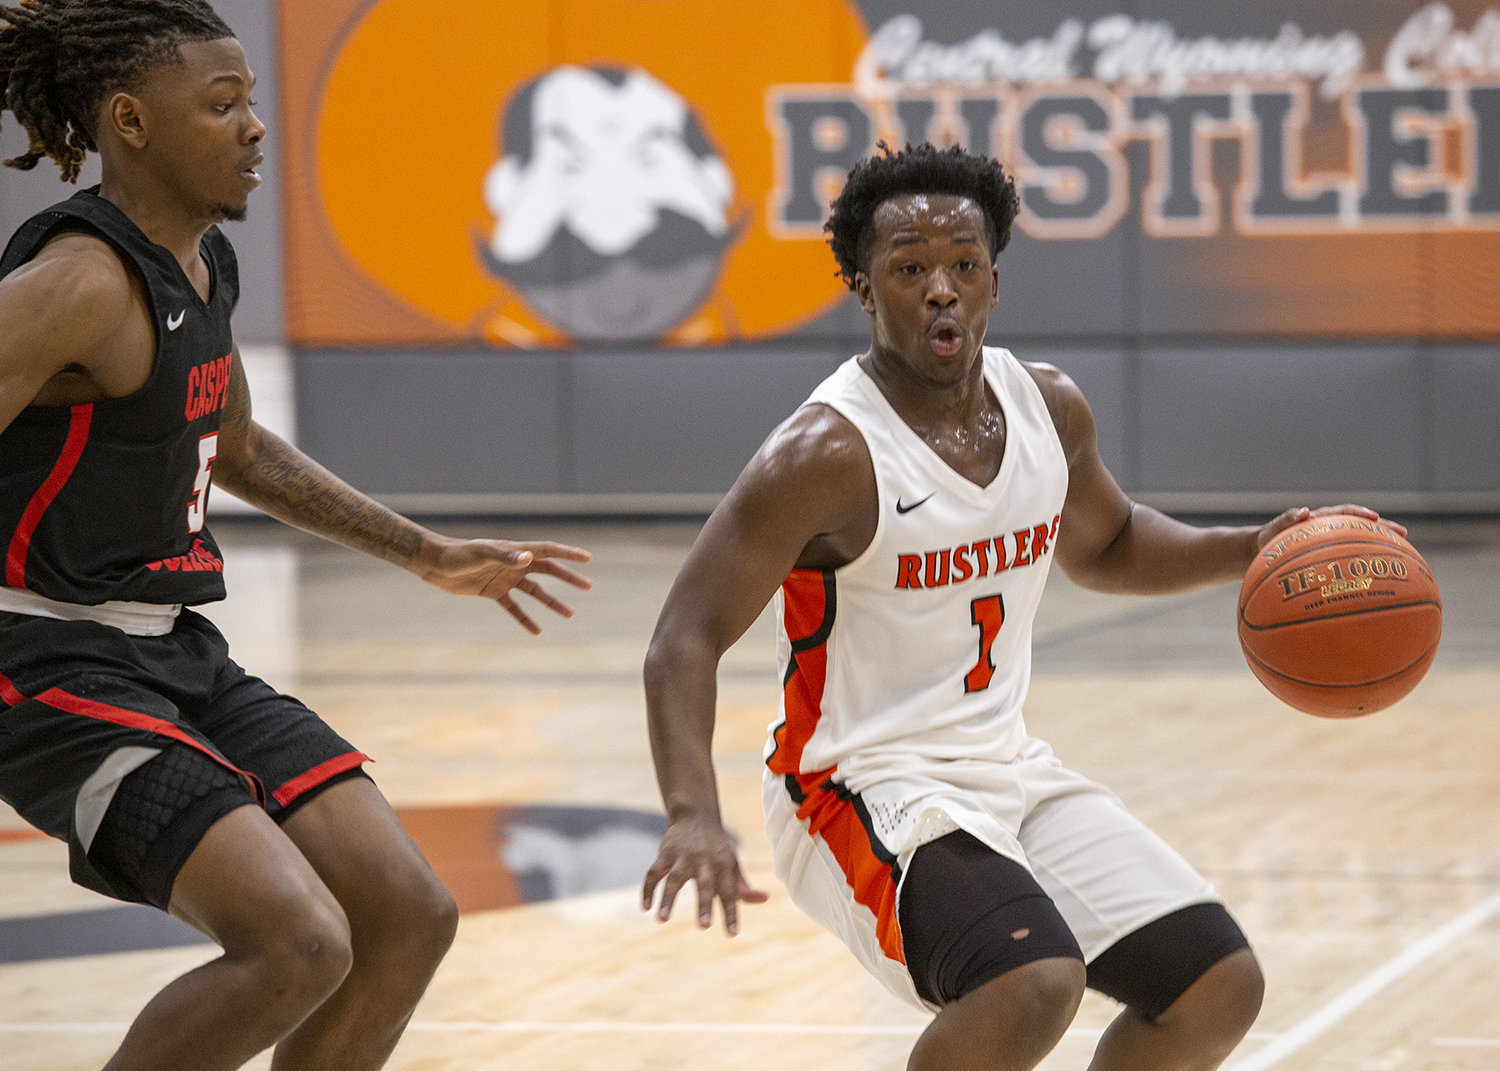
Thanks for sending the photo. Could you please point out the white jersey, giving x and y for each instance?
(921, 646)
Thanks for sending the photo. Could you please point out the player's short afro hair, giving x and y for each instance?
(916, 169)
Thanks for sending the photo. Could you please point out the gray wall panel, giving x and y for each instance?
(436, 422)
(1466, 417)
(1263, 418)
(684, 421)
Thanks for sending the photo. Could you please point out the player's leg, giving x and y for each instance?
(285, 941)
(1154, 933)
(1191, 989)
(986, 944)
(401, 919)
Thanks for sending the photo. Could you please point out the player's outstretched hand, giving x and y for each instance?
(1274, 527)
(700, 852)
(495, 569)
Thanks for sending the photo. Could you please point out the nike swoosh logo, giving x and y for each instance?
(174, 322)
(907, 509)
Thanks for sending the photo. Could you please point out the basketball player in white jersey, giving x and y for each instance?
(904, 520)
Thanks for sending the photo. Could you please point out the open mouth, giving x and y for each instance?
(249, 174)
(945, 339)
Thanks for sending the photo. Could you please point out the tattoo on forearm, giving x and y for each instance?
(292, 487)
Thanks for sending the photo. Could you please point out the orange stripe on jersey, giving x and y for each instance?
(809, 602)
(839, 817)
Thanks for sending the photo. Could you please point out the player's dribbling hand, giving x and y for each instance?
(1279, 524)
(495, 568)
(700, 852)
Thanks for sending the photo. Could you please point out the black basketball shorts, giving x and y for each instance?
(129, 747)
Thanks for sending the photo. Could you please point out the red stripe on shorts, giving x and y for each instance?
(131, 719)
(20, 542)
(834, 817)
(317, 775)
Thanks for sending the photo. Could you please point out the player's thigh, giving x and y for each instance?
(247, 886)
(358, 847)
(1140, 911)
(969, 915)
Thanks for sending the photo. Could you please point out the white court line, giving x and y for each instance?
(439, 1027)
(1371, 984)
(1468, 1043)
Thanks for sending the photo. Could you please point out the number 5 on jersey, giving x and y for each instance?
(988, 612)
(208, 449)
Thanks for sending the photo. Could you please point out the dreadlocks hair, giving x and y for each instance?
(916, 169)
(59, 59)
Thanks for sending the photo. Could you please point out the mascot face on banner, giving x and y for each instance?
(611, 203)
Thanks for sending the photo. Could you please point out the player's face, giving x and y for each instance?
(930, 285)
(204, 137)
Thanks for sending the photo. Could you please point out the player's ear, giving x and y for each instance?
(124, 115)
(994, 285)
(863, 291)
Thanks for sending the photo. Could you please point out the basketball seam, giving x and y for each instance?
(1344, 613)
(1358, 684)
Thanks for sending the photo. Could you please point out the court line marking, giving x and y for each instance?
(1368, 986)
(440, 1027)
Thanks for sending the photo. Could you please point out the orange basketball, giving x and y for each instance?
(1339, 616)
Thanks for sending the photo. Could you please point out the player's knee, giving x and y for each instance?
(1229, 995)
(414, 915)
(1035, 1003)
(1052, 992)
(307, 953)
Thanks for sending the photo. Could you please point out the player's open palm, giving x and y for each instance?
(495, 569)
(700, 852)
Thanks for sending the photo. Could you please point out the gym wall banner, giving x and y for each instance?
(554, 172)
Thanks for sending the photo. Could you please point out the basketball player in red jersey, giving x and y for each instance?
(125, 729)
(904, 519)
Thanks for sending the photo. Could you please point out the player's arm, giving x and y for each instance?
(58, 314)
(269, 473)
(810, 479)
(1106, 542)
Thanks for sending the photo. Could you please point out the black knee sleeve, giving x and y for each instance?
(1147, 970)
(159, 813)
(969, 914)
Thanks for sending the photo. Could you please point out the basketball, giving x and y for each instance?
(1339, 616)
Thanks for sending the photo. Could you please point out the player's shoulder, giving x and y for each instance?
(73, 295)
(815, 441)
(1065, 403)
(75, 272)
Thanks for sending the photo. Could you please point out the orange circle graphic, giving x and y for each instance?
(410, 128)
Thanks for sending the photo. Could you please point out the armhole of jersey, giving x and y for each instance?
(1037, 397)
(879, 506)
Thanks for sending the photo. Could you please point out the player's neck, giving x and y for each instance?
(160, 216)
(924, 402)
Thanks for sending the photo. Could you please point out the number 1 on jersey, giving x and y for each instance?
(208, 449)
(988, 612)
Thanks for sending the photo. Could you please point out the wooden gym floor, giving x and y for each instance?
(1362, 858)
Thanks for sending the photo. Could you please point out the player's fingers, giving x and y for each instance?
(519, 614)
(558, 550)
(654, 873)
(517, 559)
(728, 890)
(562, 572)
(707, 887)
(676, 879)
(751, 895)
(543, 596)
